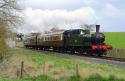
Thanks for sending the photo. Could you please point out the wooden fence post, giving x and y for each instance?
(77, 70)
(44, 68)
(22, 69)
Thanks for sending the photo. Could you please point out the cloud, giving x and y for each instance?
(111, 10)
(90, 2)
(50, 4)
(41, 20)
(52, 1)
(112, 18)
(48, 13)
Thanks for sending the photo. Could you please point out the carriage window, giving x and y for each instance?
(46, 38)
(41, 38)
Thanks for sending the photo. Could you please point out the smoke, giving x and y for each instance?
(38, 20)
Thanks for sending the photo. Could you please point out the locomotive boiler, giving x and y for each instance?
(73, 41)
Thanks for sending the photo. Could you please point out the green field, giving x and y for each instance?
(116, 39)
(56, 68)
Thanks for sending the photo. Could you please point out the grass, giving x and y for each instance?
(56, 67)
(19, 44)
(116, 39)
(71, 78)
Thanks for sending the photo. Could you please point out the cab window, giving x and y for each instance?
(81, 32)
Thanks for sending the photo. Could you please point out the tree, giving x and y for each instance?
(55, 29)
(88, 27)
(9, 17)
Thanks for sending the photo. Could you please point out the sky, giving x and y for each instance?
(42, 15)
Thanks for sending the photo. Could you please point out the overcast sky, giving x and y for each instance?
(41, 15)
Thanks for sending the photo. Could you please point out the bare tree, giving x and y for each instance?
(88, 27)
(55, 29)
(9, 12)
(9, 17)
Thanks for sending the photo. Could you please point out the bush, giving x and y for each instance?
(72, 78)
(100, 78)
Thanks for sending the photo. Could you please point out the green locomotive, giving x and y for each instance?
(74, 41)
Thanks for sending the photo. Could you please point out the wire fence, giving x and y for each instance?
(115, 52)
(22, 72)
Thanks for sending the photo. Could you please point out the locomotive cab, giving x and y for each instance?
(76, 37)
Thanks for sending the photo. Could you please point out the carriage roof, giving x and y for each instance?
(52, 33)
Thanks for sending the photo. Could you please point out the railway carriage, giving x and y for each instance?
(46, 41)
(30, 40)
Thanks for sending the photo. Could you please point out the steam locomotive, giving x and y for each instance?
(73, 41)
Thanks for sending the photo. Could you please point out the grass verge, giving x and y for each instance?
(55, 67)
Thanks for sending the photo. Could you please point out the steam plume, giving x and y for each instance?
(41, 20)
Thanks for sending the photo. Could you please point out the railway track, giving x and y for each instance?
(102, 57)
(105, 57)
(114, 58)
(102, 60)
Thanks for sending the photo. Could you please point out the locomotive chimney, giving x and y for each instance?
(97, 28)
